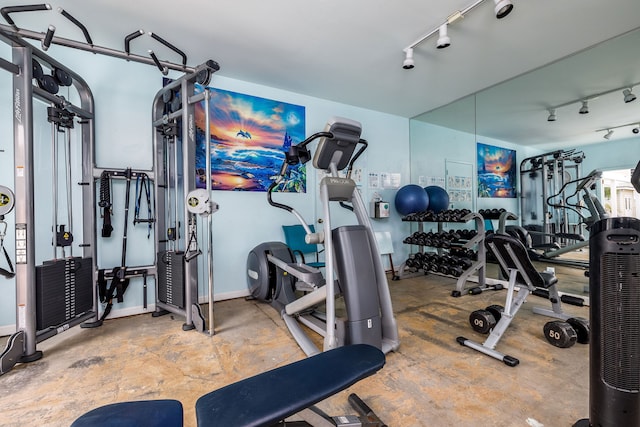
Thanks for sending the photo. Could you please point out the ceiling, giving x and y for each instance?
(352, 51)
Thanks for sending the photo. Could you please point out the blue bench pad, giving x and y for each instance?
(143, 413)
(272, 396)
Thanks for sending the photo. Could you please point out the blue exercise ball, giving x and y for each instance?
(411, 198)
(438, 198)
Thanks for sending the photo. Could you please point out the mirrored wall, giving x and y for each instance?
(516, 115)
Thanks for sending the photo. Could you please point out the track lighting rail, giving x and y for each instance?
(502, 9)
(628, 96)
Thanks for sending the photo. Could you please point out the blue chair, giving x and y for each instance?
(294, 238)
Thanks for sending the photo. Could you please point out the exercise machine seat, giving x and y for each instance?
(514, 256)
(144, 413)
(270, 397)
(294, 236)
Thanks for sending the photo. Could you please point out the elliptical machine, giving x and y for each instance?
(351, 257)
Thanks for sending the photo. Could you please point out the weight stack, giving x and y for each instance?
(614, 286)
(171, 278)
(64, 290)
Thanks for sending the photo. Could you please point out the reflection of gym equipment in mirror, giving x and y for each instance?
(353, 265)
(557, 204)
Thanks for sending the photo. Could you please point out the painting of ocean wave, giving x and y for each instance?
(249, 138)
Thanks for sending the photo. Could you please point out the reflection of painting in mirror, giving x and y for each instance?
(496, 171)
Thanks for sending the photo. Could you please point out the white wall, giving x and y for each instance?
(123, 93)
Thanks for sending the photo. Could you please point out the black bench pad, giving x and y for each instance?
(272, 396)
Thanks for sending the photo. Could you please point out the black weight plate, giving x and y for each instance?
(560, 334)
(482, 321)
(62, 77)
(49, 84)
(36, 69)
(496, 310)
(581, 326)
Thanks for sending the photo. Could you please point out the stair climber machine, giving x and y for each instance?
(353, 268)
(52, 294)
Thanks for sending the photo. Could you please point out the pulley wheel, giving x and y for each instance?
(36, 69)
(7, 200)
(62, 77)
(49, 84)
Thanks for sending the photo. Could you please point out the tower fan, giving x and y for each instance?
(614, 288)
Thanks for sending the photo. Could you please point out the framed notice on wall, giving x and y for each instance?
(459, 184)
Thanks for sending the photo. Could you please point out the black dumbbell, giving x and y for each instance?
(581, 327)
(560, 333)
(482, 321)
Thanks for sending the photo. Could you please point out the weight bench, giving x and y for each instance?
(524, 280)
(265, 399)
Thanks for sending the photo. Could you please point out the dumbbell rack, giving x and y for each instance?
(476, 273)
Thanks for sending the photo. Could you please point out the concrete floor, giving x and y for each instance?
(430, 381)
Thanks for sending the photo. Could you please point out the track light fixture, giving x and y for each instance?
(585, 107)
(443, 39)
(408, 59)
(552, 115)
(610, 129)
(628, 95)
(627, 91)
(502, 9)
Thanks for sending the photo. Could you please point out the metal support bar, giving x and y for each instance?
(61, 41)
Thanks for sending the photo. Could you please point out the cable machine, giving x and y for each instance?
(57, 294)
(70, 296)
(543, 177)
(176, 135)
